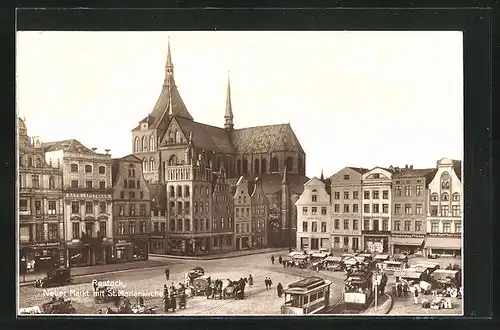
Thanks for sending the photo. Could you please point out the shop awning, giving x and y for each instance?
(319, 255)
(295, 253)
(300, 256)
(381, 257)
(408, 273)
(334, 259)
(407, 241)
(451, 243)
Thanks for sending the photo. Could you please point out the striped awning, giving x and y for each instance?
(407, 241)
(408, 273)
(334, 259)
(381, 257)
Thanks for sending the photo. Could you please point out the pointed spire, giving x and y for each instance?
(285, 178)
(228, 117)
(170, 106)
(322, 176)
(169, 56)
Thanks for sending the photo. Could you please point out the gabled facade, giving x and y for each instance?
(88, 220)
(41, 208)
(444, 216)
(346, 195)
(159, 219)
(242, 215)
(377, 194)
(314, 228)
(131, 210)
(222, 214)
(260, 215)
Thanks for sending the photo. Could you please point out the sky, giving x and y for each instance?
(361, 99)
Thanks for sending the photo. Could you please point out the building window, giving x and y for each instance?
(131, 227)
(75, 228)
(103, 207)
(434, 210)
(346, 224)
(346, 195)
(122, 194)
(366, 208)
(89, 207)
(74, 168)
(397, 208)
(444, 210)
(346, 177)
(143, 227)
(186, 191)
(323, 210)
(375, 208)
(172, 225)
(397, 190)
(434, 197)
(52, 232)
(102, 169)
(458, 227)
(445, 197)
(408, 191)
(52, 207)
(355, 208)
(52, 183)
(385, 208)
(142, 209)
(385, 225)
(445, 184)
(274, 164)
(314, 210)
(23, 205)
(419, 209)
(88, 168)
(131, 194)
(418, 190)
(346, 208)
(418, 225)
(397, 225)
(314, 227)
(336, 224)
(102, 184)
(434, 227)
(446, 227)
(88, 184)
(366, 224)
(375, 194)
(407, 208)
(407, 225)
(74, 184)
(75, 207)
(337, 195)
(323, 227)
(121, 228)
(36, 181)
(314, 198)
(456, 197)
(355, 224)
(38, 207)
(102, 228)
(366, 195)
(355, 194)
(455, 210)
(89, 228)
(385, 194)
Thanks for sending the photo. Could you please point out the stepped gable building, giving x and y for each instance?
(161, 141)
(41, 209)
(222, 213)
(88, 220)
(409, 211)
(131, 210)
(260, 215)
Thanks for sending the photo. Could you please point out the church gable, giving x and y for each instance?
(174, 134)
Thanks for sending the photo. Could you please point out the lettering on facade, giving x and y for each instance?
(408, 235)
(444, 234)
(87, 195)
(47, 244)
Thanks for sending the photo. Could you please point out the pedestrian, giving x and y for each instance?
(167, 274)
(272, 260)
(95, 285)
(165, 297)
(280, 259)
(141, 301)
(173, 303)
(279, 290)
(399, 288)
(415, 294)
(250, 280)
(285, 263)
(317, 268)
(405, 289)
(266, 283)
(270, 282)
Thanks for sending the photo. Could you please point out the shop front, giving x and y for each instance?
(188, 246)
(123, 250)
(158, 244)
(79, 254)
(140, 247)
(346, 243)
(446, 246)
(41, 257)
(375, 243)
(410, 244)
(243, 242)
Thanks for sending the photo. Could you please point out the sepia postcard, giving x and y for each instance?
(240, 173)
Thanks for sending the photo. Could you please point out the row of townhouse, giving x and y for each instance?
(78, 207)
(386, 210)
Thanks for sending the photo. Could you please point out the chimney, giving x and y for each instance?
(406, 166)
(107, 151)
(94, 149)
(391, 167)
(411, 167)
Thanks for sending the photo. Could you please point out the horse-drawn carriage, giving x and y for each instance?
(58, 306)
(56, 277)
(235, 289)
(200, 285)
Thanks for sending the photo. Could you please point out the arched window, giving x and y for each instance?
(238, 167)
(274, 164)
(456, 197)
(102, 169)
(172, 191)
(256, 166)
(445, 180)
(74, 168)
(144, 143)
(88, 168)
(445, 197)
(179, 191)
(434, 197)
(30, 161)
(152, 164)
(186, 191)
(152, 143)
(263, 165)
(172, 161)
(21, 164)
(137, 144)
(177, 137)
(289, 164)
(245, 166)
(170, 137)
(144, 165)
(300, 166)
(38, 162)
(52, 182)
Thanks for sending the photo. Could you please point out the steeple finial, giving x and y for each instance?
(169, 56)
(322, 177)
(285, 178)
(228, 117)
(169, 68)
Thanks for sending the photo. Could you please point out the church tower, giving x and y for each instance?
(228, 117)
(285, 209)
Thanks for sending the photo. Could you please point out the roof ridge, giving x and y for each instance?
(259, 126)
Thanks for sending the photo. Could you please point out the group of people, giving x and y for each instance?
(170, 295)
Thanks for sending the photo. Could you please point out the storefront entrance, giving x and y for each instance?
(376, 244)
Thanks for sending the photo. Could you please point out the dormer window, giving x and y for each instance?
(376, 176)
(144, 126)
(347, 177)
(314, 198)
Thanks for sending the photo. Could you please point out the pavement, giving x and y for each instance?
(224, 255)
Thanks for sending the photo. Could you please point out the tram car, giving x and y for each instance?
(358, 290)
(310, 295)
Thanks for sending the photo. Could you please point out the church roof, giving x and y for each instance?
(457, 166)
(66, 145)
(262, 139)
(271, 183)
(206, 137)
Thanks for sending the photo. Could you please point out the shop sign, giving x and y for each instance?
(46, 244)
(122, 241)
(444, 234)
(85, 195)
(408, 235)
(376, 232)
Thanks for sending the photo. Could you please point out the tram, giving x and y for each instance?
(307, 296)
(358, 289)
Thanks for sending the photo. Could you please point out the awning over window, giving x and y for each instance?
(407, 241)
(451, 243)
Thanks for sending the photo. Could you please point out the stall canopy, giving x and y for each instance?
(381, 257)
(319, 254)
(443, 243)
(295, 253)
(407, 241)
(333, 259)
(300, 256)
(408, 273)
